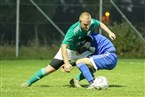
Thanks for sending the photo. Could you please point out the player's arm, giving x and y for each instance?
(106, 29)
(69, 37)
(86, 46)
(67, 65)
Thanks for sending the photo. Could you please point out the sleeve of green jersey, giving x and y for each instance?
(68, 39)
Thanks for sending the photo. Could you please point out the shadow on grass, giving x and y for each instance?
(44, 86)
(85, 86)
(112, 86)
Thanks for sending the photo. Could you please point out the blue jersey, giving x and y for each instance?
(101, 44)
(104, 56)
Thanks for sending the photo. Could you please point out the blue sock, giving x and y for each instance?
(80, 76)
(86, 72)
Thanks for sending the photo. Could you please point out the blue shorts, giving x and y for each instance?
(104, 61)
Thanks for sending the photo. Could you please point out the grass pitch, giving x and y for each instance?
(126, 80)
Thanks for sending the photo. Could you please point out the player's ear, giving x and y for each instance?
(80, 21)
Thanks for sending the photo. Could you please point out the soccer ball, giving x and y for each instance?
(101, 83)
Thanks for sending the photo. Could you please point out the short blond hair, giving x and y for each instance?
(85, 14)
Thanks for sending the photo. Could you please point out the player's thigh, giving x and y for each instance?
(56, 63)
(85, 61)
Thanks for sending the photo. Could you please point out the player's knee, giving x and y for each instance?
(49, 69)
(79, 61)
(83, 60)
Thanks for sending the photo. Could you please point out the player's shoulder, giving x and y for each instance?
(75, 27)
(93, 21)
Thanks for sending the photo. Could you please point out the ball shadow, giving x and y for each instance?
(116, 86)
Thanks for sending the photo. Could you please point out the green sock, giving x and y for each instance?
(38, 75)
(81, 76)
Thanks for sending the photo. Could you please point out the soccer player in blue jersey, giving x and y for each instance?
(104, 57)
(70, 45)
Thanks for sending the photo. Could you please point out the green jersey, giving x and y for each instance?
(75, 36)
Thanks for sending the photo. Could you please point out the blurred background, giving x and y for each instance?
(41, 25)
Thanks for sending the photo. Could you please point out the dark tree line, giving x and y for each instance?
(36, 29)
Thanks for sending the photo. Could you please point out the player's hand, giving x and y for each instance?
(67, 68)
(62, 68)
(112, 36)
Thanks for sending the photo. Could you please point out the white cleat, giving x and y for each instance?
(25, 85)
(91, 86)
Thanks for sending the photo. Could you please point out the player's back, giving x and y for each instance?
(102, 44)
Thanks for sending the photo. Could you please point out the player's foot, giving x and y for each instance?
(25, 85)
(75, 83)
(91, 86)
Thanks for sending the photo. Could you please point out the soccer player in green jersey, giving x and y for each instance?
(71, 43)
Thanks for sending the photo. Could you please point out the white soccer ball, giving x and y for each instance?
(101, 82)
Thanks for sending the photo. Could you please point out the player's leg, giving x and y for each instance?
(54, 65)
(105, 61)
(89, 65)
(81, 64)
(38, 75)
(75, 82)
(80, 76)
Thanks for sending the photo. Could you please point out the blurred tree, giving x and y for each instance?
(63, 13)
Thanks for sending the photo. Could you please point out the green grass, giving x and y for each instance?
(126, 80)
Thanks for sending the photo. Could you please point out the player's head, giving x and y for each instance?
(85, 20)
